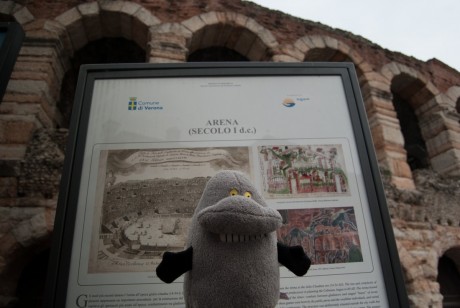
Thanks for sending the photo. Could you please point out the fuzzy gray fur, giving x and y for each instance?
(233, 274)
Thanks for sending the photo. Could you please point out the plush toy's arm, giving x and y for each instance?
(174, 264)
(294, 259)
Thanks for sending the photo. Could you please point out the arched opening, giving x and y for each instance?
(403, 88)
(326, 54)
(457, 105)
(215, 54)
(105, 50)
(219, 38)
(449, 277)
(6, 18)
(329, 55)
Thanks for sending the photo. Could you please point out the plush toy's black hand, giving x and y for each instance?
(174, 264)
(294, 259)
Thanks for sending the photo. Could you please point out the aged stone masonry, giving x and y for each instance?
(412, 106)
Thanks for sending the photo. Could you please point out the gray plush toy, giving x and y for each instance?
(232, 256)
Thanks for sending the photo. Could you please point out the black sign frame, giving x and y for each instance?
(67, 203)
(9, 50)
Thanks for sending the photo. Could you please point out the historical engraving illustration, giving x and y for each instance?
(148, 200)
(328, 235)
(303, 170)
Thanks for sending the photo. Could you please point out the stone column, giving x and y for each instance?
(386, 131)
(168, 43)
(441, 131)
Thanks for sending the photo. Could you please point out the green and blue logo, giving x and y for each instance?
(132, 105)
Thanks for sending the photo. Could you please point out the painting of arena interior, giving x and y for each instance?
(148, 201)
(327, 235)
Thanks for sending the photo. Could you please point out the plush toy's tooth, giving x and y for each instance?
(222, 237)
(235, 238)
(229, 238)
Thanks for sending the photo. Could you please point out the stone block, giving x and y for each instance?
(343, 47)
(244, 42)
(163, 60)
(237, 19)
(194, 24)
(258, 51)
(390, 70)
(29, 231)
(7, 7)
(127, 11)
(60, 31)
(356, 57)
(264, 35)
(447, 163)
(16, 129)
(443, 142)
(318, 41)
(331, 42)
(73, 23)
(402, 183)
(283, 58)
(90, 13)
(292, 52)
(23, 16)
(401, 169)
(142, 21)
(210, 18)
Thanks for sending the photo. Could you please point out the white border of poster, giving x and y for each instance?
(144, 148)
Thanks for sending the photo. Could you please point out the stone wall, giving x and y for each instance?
(424, 204)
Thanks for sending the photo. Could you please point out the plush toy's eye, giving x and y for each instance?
(234, 192)
(248, 194)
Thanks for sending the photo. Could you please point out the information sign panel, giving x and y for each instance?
(146, 138)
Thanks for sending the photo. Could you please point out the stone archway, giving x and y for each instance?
(233, 31)
(104, 50)
(94, 20)
(403, 88)
(313, 48)
(449, 277)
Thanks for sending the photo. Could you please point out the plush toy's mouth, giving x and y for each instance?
(240, 238)
(239, 216)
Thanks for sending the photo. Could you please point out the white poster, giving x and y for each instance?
(153, 143)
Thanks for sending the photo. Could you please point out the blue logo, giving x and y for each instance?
(288, 102)
(132, 105)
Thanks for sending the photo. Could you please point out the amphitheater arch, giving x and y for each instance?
(449, 277)
(104, 50)
(91, 21)
(414, 98)
(233, 31)
(328, 49)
